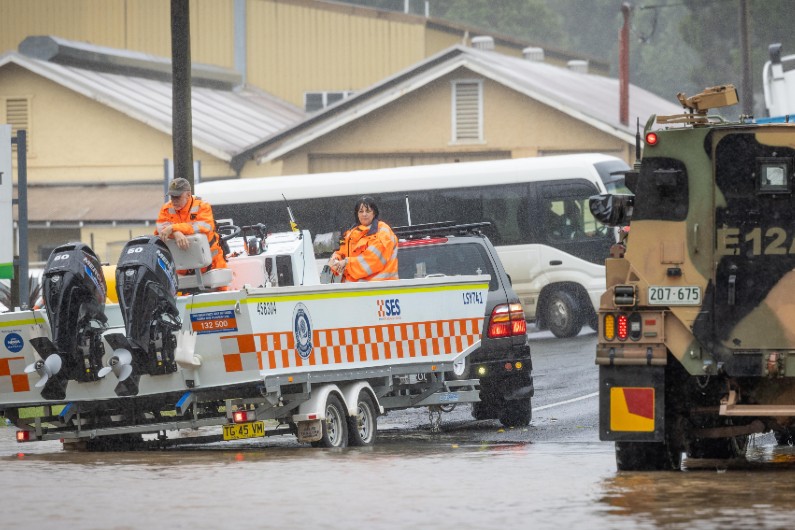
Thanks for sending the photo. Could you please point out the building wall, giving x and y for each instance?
(72, 138)
(417, 129)
(292, 46)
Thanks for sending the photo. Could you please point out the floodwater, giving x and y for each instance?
(407, 480)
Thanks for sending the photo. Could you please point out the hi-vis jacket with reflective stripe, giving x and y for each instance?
(196, 217)
(371, 253)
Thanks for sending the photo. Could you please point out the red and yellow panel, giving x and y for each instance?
(632, 409)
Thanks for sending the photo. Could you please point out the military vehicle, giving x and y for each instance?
(696, 344)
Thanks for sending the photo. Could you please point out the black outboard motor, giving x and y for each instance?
(74, 296)
(146, 284)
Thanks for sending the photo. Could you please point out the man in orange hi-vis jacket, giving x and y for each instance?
(369, 249)
(184, 215)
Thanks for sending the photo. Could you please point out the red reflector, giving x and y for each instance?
(508, 367)
(623, 327)
(23, 436)
(651, 138)
(650, 322)
(415, 242)
(311, 417)
(243, 416)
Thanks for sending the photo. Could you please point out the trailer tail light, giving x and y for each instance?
(23, 436)
(243, 416)
(507, 320)
(609, 326)
(651, 138)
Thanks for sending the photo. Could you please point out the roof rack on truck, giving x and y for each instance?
(442, 228)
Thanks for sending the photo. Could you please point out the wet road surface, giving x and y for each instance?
(473, 474)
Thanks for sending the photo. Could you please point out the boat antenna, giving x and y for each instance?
(293, 224)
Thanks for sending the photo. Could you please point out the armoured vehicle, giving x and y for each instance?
(696, 344)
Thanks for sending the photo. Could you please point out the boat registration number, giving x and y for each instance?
(240, 431)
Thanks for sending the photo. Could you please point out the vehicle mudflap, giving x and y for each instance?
(632, 403)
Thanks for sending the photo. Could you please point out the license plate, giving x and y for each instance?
(682, 295)
(240, 431)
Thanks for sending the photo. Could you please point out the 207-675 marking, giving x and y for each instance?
(681, 295)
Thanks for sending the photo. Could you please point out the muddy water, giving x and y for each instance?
(403, 482)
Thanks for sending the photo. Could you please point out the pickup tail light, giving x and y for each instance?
(23, 436)
(507, 320)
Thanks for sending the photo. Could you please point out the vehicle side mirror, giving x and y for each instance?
(612, 210)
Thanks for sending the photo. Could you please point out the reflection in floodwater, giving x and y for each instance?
(403, 482)
(752, 493)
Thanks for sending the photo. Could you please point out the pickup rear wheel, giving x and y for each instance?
(362, 427)
(562, 316)
(335, 426)
(516, 413)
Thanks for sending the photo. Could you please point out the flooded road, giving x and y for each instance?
(553, 474)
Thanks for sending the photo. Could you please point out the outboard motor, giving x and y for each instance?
(74, 296)
(146, 284)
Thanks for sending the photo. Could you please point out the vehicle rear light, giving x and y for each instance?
(481, 371)
(508, 367)
(623, 326)
(23, 436)
(635, 326)
(243, 416)
(651, 138)
(507, 320)
(416, 242)
(609, 324)
(518, 365)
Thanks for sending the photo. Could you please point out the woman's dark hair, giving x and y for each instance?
(364, 201)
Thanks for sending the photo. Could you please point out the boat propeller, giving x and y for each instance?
(46, 368)
(119, 364)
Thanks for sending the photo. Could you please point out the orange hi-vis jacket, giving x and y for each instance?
(196, 217)
(371, 253)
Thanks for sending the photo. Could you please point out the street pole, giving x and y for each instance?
(182, 135)
(747, 89)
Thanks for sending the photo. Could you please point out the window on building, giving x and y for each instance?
(468, 111)
(314, 101)
(17, 114)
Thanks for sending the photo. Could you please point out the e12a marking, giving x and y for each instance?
(773, 241)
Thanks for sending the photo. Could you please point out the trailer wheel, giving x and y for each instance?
(335, 426)
(363, 427)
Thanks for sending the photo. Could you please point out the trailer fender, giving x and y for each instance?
(350, 393)
(315, 407)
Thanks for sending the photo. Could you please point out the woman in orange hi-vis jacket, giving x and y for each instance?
(184, 215)
(369, 250)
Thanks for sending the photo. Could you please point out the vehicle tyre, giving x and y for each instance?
(562, 317)
(335, 426)
(718, 448)
(516, 413)
(647, 456)
(483, 410)
(362, 428)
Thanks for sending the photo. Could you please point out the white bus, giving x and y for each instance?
(550, 244)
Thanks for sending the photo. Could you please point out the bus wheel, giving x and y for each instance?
(363, 426)
(562, 316)
(335, 426)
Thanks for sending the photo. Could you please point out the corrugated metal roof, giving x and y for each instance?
(593, 99)
(224, 121)
(94, 203)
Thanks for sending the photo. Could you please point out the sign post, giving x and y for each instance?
(6, 215)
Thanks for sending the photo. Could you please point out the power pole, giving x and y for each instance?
(182, 134)
(747, 87)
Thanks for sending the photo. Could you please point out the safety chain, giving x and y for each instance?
(435, 417)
